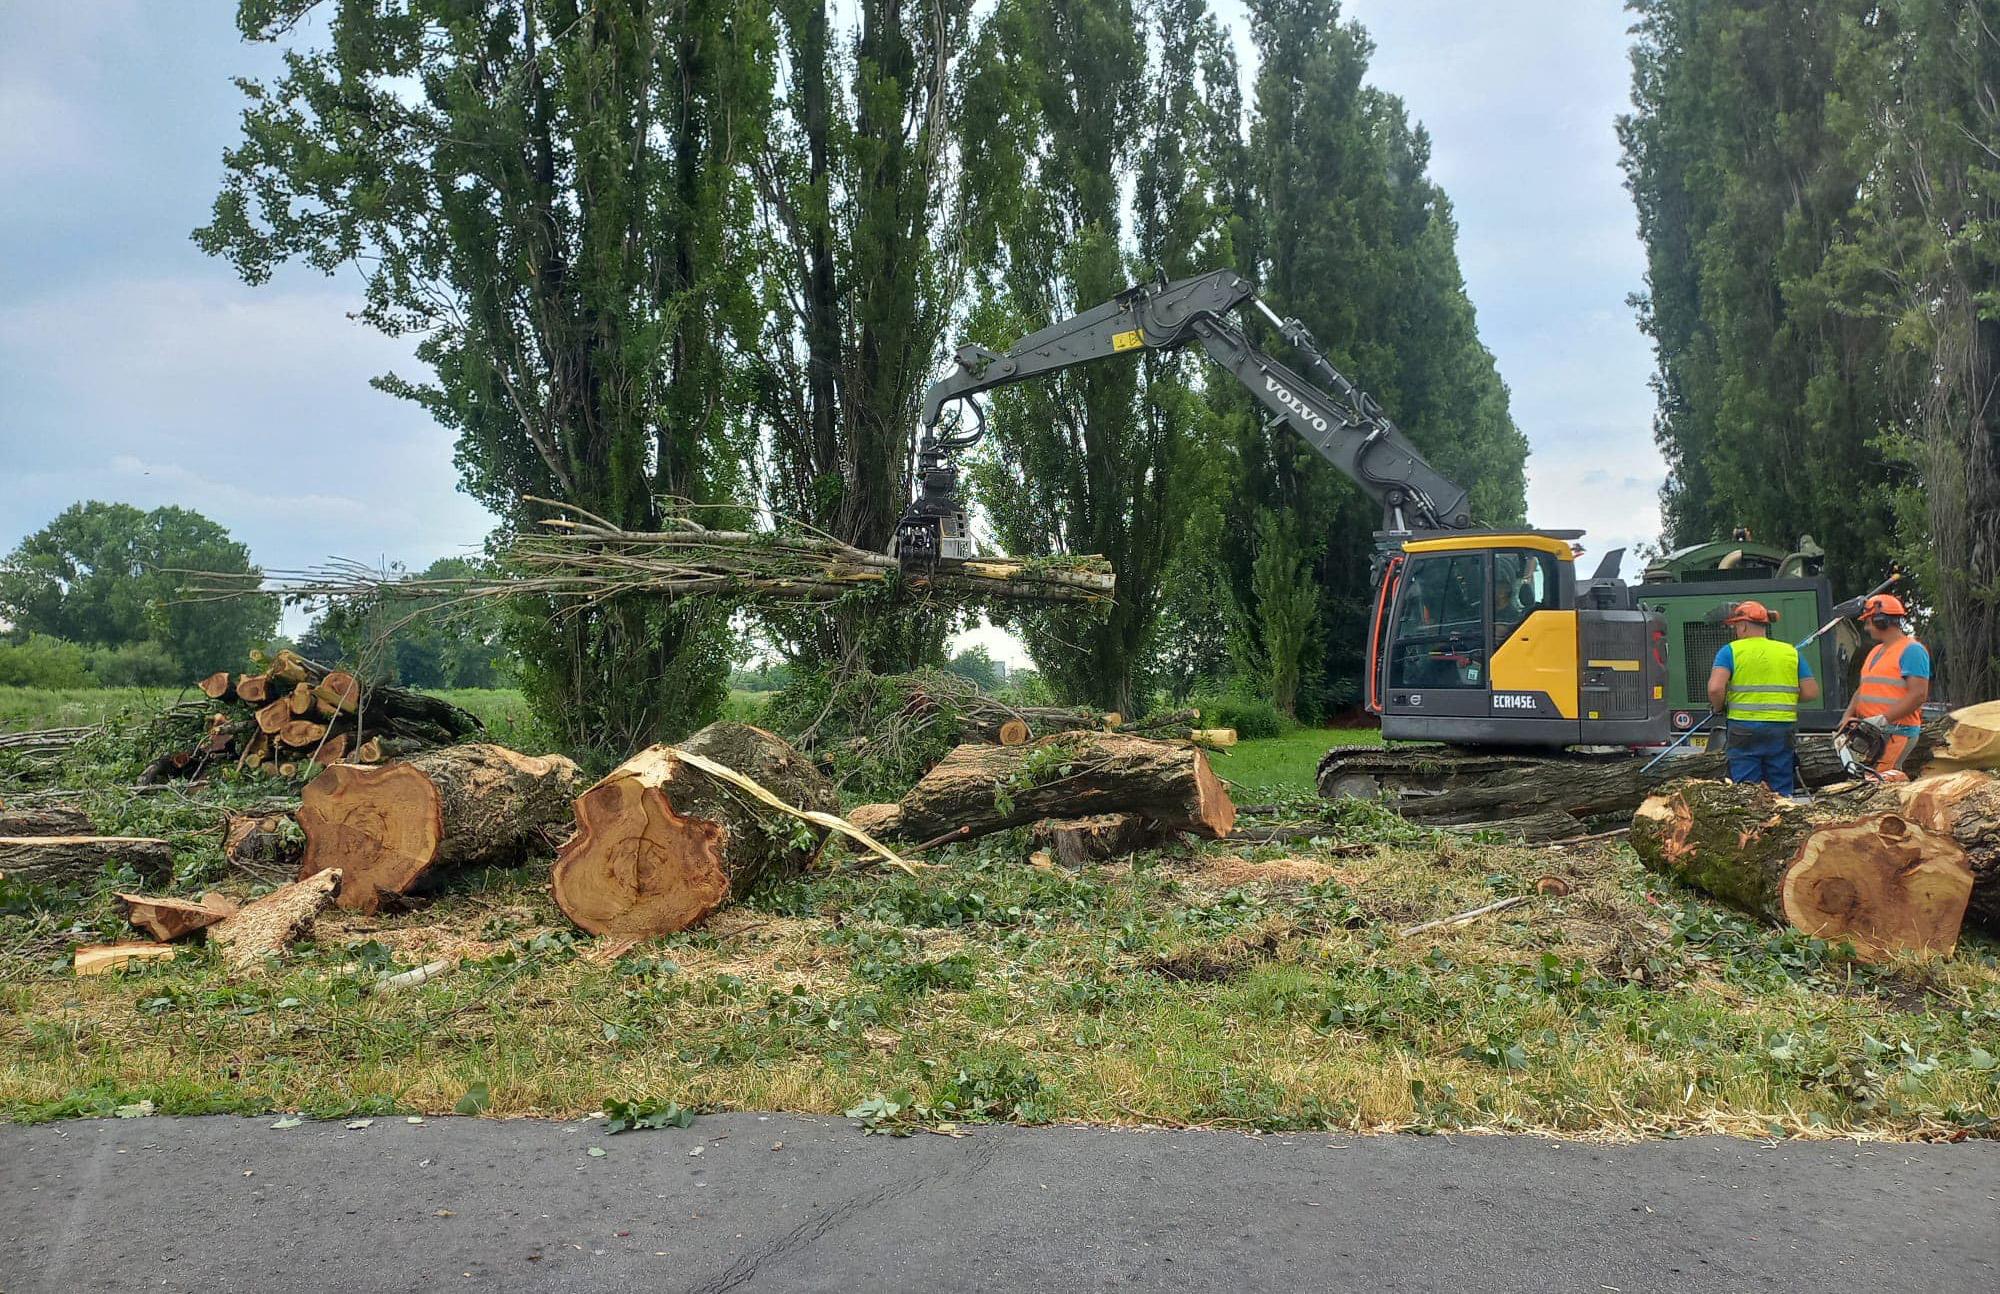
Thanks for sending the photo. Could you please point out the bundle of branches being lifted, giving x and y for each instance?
(293, 714)
(578, 560)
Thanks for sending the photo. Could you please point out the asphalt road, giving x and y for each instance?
(790, 1203)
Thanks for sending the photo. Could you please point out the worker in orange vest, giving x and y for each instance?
(1895, 682)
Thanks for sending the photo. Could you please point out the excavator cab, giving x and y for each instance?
(1481, 638)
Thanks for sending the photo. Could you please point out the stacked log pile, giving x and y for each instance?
(292, 714)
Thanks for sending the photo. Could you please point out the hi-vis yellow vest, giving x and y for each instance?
(1763, 681)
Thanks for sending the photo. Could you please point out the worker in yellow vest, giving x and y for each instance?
(1757, 683)
(1895, 681)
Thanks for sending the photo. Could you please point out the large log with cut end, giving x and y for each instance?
(1876, 879)
(72, 861)
(1966, 807)
(389, 827)
(660, 843)
(1071, 774)
(1077, 842)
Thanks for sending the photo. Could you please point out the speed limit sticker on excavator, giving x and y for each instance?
(1128, 340)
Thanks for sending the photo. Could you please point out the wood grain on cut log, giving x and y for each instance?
(1076, 842)
(882, 821)
(253, 689)
(168, 919)
(268, 925)
(302, 733)
(217, 686)
(1966, 807)
(660, 843)
(1013, 732)
(273, 717)
(1975, 737)
(389, 827)
(991, 788)
(79, 860)
(102, 959)
(1876, 880)
(54, 820)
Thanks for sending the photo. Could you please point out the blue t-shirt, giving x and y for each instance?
(1726, 659)
(1916, 663)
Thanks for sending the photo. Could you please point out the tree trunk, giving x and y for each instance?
(1966, 807)
(991, 788)
(386, 828)
(51, 821)
(660, 843)
(1445, 786)
(79, 860)
(1975, 737)
(1076, 842)
(1877, 880)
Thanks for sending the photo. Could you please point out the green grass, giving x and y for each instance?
(1286, 763)
(23, 709)
(1228, 984)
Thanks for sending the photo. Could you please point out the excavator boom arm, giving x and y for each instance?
(1326, 410)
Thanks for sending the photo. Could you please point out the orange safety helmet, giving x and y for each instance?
(1884, 604)
(1754, 613)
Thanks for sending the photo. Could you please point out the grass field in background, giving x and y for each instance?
(1284, 763)
(23, 709)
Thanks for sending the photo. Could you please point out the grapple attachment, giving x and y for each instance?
(933, 531)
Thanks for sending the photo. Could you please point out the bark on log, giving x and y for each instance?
(387, 828)
(51, 821)
(168, 919)
(1449, 787)
(1877, 880)
(102, 959)
(79, 860)
(660, 844)
(274, 921)
(1078, 842)
(991, 788)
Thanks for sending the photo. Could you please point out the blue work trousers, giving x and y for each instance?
(1762, 752)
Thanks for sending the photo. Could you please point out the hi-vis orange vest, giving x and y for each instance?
(1883, 686)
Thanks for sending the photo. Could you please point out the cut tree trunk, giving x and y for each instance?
(991, 788)
(168, 919)
(273, 717)
(1966, 807)
(301, 733)
(216, 687)
(387, 828)
(1877, 880)
(1077, 842)
(660, 843)
(1013, 732)
(79, 860)
(878, 820)
(1975, 737)
(51, 821)
(253, 689)
(266, 926)
(102, 959)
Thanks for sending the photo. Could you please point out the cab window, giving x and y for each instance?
(1440, 638)
(1524, 582)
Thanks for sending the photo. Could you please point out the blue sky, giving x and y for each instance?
(134, 368)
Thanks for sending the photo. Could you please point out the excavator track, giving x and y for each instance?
(1456, 785)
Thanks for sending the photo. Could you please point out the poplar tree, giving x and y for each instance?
(547, 195)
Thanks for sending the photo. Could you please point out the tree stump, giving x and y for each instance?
(1877, 879)
(1076, 842)
(660, 844)
(78, 860)
(389, 827)
(1072, 774)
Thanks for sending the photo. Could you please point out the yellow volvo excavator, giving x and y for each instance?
(1482, 639)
